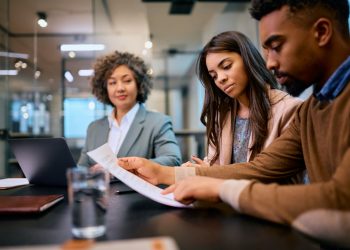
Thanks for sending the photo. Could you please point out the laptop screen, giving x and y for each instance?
(44, 161)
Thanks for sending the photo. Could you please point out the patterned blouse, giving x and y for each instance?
(241, 140)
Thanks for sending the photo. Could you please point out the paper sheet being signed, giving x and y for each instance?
(106, 158)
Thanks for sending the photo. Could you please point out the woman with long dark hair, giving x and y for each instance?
(243, 109)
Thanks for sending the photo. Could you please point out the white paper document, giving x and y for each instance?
(106, 158)
(13, 182)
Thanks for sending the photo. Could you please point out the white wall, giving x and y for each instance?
(176, 108)
(234, 20)
(156, 101)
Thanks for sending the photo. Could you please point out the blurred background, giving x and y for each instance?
(44, 83)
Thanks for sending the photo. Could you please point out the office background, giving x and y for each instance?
(45, 91)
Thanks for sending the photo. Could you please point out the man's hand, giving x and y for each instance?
(196, 188)
(150, 171)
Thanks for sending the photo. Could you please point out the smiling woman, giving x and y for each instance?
(121, 81)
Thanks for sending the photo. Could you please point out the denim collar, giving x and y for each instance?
(336, 83)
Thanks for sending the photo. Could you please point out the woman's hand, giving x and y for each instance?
(196, 188)
(150, 171)
(195, 162)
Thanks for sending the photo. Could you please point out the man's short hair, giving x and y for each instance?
(338, 9)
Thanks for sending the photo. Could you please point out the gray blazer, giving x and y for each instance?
(150, 136)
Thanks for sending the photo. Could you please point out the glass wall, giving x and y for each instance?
(48, 93)
(4, 71)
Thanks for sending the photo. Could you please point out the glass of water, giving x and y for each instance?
(88, 198)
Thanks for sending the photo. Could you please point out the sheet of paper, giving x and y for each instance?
(106, 158)
(13, 182)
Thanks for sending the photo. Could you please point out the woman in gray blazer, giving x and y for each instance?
(121, 80)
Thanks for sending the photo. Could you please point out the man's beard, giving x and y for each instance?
(294, 86)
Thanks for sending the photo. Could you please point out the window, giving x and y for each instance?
(79, 113)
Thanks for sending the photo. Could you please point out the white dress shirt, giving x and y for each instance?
(117, 132)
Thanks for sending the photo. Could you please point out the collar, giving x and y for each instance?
(336, 83)
(129, 117)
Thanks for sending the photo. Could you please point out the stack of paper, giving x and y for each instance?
(13, 182)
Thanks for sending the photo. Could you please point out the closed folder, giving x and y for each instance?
(28, 203)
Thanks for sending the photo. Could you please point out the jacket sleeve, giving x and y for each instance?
(166, 148)
(291, 201)
(320, 209)
(291, 105)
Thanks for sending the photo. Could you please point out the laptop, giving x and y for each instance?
(44, 161)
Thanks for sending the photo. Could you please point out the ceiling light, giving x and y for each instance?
(92, 105)
(11, 72)
(150, 72)
(86, 72)
(37, 74)
(148, 44)
(20, 65)
(14, 55)
(69, 77)
(42, 21)
(71, 54)
(82, 47)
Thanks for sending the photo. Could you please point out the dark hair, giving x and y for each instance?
(105, 66)
(339, 9)
(217, 104)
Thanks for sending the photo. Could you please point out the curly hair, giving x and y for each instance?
(338, 9)
(217, 104)
(105, 66)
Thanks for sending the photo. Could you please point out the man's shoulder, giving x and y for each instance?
(280, 97)
(282, 102)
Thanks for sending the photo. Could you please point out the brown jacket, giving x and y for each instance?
(317, 140)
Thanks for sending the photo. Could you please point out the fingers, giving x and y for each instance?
(197, 160)
(181, 192)
(130, 163)
(123, 162)
(169, 189)
(186, 164)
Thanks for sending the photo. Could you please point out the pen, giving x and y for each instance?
(114, 180)
(124, 191)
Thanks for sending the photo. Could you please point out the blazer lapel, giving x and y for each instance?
(134, 132)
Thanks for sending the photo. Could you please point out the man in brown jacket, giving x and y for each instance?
(305, 42)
